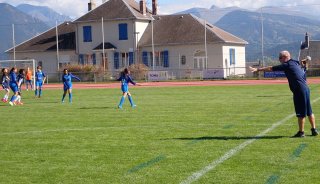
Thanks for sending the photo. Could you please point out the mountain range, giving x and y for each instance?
(44, 13)
(283, 28)
(28, 22)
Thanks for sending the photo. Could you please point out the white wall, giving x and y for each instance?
(49, 58)
(239, 67)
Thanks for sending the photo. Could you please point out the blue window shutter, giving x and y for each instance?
(123, 31)
(116, 60)
(131, 58)
(232, 53)
(87, 34)
(145, 58)
(166, 59)
(81, 59)
(94, 61)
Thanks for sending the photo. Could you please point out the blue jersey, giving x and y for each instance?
(13, 78)
(125, 80)
(39, 76)
(20, 79)
(67, 80)
(5, 81)
(295, 75)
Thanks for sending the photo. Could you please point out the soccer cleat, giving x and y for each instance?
(133, 106)
(299, 134)
(314, 132)
(3, 100)
(119, 107)
(11, 103)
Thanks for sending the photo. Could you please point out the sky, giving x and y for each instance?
(76, 8)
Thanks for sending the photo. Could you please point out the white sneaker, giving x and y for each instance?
(11, 103)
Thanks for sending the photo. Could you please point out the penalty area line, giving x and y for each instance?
(197, 175)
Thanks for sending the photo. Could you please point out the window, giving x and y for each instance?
(116, 60)
(232, 56)
(183, 60)
(131, 58)
(94, 60)
(87, 34)
(145, 58)
(81, 59)
(123, 31)
(165, 59)
(124, 59)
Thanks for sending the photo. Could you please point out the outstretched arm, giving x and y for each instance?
(75, 77)
(266, 69)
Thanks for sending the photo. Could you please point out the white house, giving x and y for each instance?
(43, 48)
(119, 33)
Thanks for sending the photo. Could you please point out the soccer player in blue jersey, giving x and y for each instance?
(299, 87)
(13, 85)
(20, 78)
(125, 79)
(40, 78)
(67, 84)
(5, 84)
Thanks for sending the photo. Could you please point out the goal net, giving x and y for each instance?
(20, 64)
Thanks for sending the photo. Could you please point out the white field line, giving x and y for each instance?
(197, 175)
(56, 130)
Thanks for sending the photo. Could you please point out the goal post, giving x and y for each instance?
(21, 64)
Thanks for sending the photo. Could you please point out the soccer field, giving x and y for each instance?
(216, 134)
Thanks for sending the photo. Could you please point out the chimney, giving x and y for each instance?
(143, 7)
(307, 40)
(91, 5)
(154, 7)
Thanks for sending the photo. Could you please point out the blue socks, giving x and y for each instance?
(123, 99)
(36, 92)
(63, 96)
(13, 98)
(70, 97)
(121, 102)
(131, 101)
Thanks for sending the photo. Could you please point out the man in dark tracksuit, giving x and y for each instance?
(298, 85)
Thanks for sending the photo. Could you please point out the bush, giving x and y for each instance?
(138, 71)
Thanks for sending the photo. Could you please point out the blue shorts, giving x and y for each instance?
(39, 83)
(67, 87)
(302, 103)
(125, 88)
(5, 86)
(14, 87)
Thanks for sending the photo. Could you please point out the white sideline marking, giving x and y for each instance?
(56, 130)
(68, 130)
(197, 175)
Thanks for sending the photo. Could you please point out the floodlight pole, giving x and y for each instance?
(57, 43)
(103, 49)
(262, 37)
(205, 43)
(14, 45)
(153, 56)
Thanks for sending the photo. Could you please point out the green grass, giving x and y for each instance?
(172, 133)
